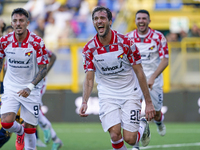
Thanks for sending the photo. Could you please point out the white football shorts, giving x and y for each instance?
(29, 110)
(115, 111)
(157, 97)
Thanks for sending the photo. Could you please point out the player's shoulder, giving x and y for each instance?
(122, 38)
(6, 38)
(35, 38)
(118, 34)
(91, 44)
(157, 33)
(131, 33)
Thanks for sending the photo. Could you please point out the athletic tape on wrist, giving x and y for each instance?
(31, 86)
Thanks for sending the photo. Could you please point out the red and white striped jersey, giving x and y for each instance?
(22, 59)
(113, 66)
(152, 48)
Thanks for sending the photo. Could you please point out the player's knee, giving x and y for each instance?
(29, 130)
(130, 140)
(115, 137)
(7, 125)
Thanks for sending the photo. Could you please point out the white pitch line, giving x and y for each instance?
(169, 145)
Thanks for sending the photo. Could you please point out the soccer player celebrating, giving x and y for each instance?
(154, 51)
(26, 66)
(116, 63)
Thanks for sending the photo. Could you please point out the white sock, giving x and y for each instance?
(118, 145)
(30, 141)
(16, 128)
(141, 130)
(53, 133)
(56, 139)
(140, 133)
(45, 123)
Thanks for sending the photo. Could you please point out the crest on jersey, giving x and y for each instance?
(28, 53)
(120, 56)
(152, 47)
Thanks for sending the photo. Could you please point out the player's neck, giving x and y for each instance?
(144, 34)
(20, 38)
(105, 40)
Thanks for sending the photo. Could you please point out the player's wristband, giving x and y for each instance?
(31, 86)
(84, 102)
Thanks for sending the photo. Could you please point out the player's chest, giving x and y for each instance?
(109, 58)
(19, 55)
(146, 45)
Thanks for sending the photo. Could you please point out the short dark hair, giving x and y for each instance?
(20, 11)
(143, 11)
(8, 27)
(4, 27)
(101, 8)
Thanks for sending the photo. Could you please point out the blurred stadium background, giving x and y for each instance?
(66, 26)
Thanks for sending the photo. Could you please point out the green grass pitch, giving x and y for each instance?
(90, 136)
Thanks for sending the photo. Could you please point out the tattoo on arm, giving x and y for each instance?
(40, 75)
(52, 61)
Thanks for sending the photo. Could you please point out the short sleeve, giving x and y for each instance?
(134, 55)
(2, 53)
(87, 55)
(42, 55)
(163, 49)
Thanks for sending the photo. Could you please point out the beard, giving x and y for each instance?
(105, 33)
(145, 29)
(19, 33)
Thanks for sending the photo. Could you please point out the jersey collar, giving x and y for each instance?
(111, 41)
(150, 31)
(25, 40)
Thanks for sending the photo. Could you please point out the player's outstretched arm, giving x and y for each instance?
(149, 111)
(87, 89)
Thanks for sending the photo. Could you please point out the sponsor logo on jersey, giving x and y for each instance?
(152, 47)
(10, 52)
(112, 68)
(109, 68)
(28, 53)
(98, 60)
(145, 57)
(13, 61)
